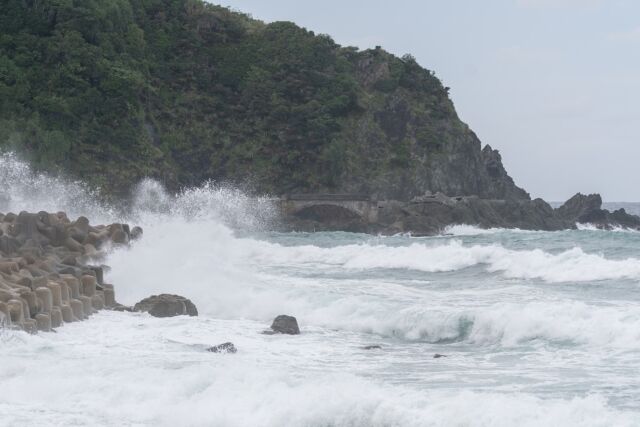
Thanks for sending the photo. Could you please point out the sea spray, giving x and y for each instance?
(23, 189)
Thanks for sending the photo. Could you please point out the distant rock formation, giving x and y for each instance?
(46, 272)
(431, 213)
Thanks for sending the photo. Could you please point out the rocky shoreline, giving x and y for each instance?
(48, 269)
(431, 214)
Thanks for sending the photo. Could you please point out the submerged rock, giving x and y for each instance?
(166, 305)
(372, 347)
(438, 356)
(226, 347)
(284, 324)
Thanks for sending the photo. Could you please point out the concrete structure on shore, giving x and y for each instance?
(340, 205)
(47, 271)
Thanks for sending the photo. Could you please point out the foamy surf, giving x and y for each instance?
(148, 371)
(573, 265)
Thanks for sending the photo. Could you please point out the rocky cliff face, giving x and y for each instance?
(185, 91)
(408, 139)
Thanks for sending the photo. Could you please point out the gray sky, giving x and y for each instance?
(553, 84)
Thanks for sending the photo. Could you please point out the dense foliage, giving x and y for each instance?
(113, 90)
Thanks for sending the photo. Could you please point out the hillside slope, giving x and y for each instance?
(183, 91)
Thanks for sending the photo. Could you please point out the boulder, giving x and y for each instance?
(166, 305)
(284, 324)
(226, 347)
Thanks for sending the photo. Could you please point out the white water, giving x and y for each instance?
(538, 328)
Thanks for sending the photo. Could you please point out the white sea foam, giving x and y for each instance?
(135, 372)
(593, 227)
(572, 265)
(472, 230)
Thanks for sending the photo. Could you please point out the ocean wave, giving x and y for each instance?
(573, 265)
(505, 324)
(594, 227)
(224, 276)
(473, 230)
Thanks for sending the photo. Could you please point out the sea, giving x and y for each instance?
(472, 327)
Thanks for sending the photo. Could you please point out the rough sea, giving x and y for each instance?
(534, 328)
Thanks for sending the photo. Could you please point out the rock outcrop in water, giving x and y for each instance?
(166, 305)
(284, 324)
(46, 272)
(432, 213)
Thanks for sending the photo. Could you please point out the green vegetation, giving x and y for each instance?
(114, 90)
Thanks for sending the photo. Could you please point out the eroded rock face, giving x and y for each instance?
(583, 209)
(284, 324)
(167, 305)
(587, 209)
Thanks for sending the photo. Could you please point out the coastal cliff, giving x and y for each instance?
(184, 91)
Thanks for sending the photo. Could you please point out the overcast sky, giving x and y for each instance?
(553, 84)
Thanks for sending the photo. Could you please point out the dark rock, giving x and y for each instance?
(438, 356)
(284, 324)
(583, 209)
(226, 347)
(136, 233)
(9, 245)
(166, 305)
(372, 347)
(120, 307)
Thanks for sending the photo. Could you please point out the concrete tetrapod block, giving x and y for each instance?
(16, 311)
(56, 293)
(64, 291)
(5, 316)
(88, 285)
(25, 309)
(30, 326)
(67, 313)
(78, 309)
(43, 321)
(56, 317)
(39, 281)
(87, 305)
(97, 301)
(45, 297)
(74, 287)
(31, 299)
(109, 296)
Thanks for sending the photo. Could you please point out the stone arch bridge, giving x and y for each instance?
(330, 207)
